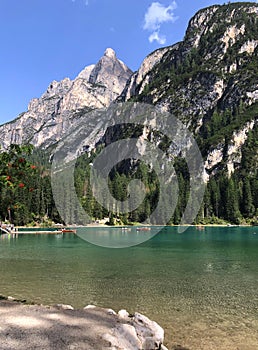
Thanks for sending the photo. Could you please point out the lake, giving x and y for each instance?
(201, 286)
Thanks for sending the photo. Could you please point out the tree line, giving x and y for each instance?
(26, 196)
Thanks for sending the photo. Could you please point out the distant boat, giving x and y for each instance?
(143, 229)
(66, 230)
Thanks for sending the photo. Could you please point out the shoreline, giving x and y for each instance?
(28, 230)
(125, 226)
(31, 326)
(132, 226)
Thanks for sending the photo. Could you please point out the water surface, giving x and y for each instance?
(201, 285)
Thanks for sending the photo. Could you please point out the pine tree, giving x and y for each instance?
(232, 212)
(247, 201)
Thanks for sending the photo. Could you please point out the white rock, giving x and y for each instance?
(252, 96)
(123, 314)
(89, 307)
(146, 328)
(214, 157)
(110, 53)
(231, 36)
(150, 343)
(111, 312)
(163, 347)
(64, 307)
(234, 152)
(124, 337)
(85, 73)
(249, 46)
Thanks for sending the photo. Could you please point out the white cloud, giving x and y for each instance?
(158, 14)
(86, 2)
(155, 36)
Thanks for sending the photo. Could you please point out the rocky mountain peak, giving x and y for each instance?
(110, 72)
(85, 73)
(197, 26)
(51, 115)
(110, 53)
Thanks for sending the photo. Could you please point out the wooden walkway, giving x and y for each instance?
(4, 231)
(37, 232)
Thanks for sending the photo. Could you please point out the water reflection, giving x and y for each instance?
(7, 237)
(116, 237)
(179, 280)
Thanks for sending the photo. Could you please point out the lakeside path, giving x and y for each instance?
(37, 327)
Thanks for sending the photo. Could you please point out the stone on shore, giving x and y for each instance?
(64, 307)
(62, 327)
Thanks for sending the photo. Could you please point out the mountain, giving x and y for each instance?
(49, 117)
(208, 81)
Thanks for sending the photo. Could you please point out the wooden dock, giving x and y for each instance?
(37, 232)
(56, 232)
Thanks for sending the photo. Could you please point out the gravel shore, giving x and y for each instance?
(34, 327)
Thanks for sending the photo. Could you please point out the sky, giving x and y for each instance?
(46, 40)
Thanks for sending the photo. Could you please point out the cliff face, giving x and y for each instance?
(214, 64)
(208, 81)
(140, 79)
(49, 117)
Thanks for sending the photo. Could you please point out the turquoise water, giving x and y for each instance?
(201, 286)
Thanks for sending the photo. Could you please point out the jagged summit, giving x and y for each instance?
(110, 53)
(109, 71)
(51, 115)
(86, 72)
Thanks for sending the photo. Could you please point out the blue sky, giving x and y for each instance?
(45, 40)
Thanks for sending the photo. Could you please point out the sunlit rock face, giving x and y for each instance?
(49, 117)
(213, 70)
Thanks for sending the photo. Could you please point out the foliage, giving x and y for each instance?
(227, 199)
(25, 194)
